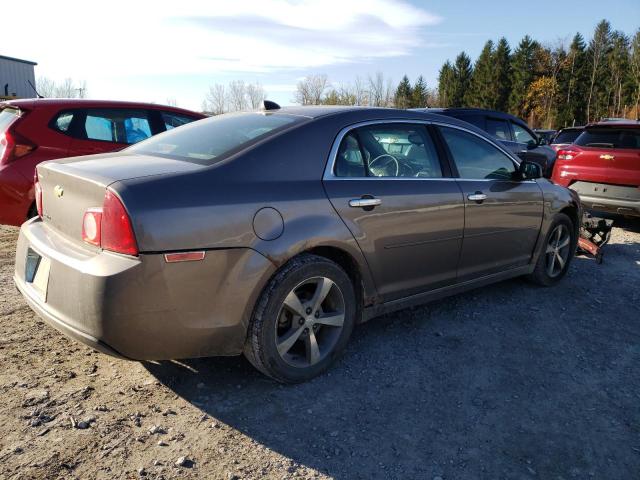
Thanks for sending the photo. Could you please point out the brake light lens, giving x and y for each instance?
(13, 146)
(38, 193)
(568, 154)
(110, 227)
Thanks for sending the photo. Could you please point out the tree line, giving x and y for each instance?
(550, 86)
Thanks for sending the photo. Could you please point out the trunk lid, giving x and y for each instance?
(606, 154)
(73, 185)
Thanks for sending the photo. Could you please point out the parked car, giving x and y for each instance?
(511, 131)
(544, 134)
(565, 137)
(35, 130)
(603, 166)
(273, 233)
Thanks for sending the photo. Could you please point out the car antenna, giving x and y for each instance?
(269, 105)
(34, 89)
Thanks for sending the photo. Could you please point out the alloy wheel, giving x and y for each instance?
(558, 250)
(310, 322)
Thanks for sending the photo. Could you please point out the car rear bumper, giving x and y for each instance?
(141, 308)
(618, 199)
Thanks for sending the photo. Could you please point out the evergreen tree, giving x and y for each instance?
(445, 85)
(462, 72)
(404, 93)
(502, 75)
(618, 91)
(596, 54)
(420, 94)
(482, 89)
(523, 66)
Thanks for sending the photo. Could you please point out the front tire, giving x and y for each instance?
(557, 251)
(302, 321)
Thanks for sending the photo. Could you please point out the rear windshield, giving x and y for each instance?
(209, 141)
(609, 138)
(567, 136)
(7, 117)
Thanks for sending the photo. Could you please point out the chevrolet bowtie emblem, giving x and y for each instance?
(607, 157)
(58, 190)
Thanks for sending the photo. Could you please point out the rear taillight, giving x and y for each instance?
(14, 146)
(109, 227)
(38, 193)
(568, 153)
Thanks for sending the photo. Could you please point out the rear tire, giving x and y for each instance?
(558, 249)
(302, 321)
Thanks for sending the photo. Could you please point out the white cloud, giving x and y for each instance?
(119, 38)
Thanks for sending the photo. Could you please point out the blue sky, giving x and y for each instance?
(153, 51)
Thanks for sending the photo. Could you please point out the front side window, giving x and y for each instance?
(522, 135)
(388, 150)
(476, 158)
(498, 128)
(609, 138)
(116, 125)
(173, 120)
(210, 140)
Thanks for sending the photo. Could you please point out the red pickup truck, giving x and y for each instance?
(603, 166)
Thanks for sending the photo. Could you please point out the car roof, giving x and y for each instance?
(88, 103)
(472, 111)
(617, 123)
(355, 114)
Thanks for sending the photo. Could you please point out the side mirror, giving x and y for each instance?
(531, 144)
(542, 141)
(530, 170)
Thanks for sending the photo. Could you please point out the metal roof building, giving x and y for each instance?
(15, 75)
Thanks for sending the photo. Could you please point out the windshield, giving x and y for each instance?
(208, 141)
(567, 136)
(7, 117)
(609, 138)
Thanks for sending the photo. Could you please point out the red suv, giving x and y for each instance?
(603, 166)
(32, 131)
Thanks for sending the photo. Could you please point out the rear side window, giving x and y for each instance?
(609, 138)
(498, 128)
(567, 136)
(208, 141)
(173, 120)
(63, 121)
(476, 158)
(7, 117)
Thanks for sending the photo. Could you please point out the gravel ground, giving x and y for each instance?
(509, 381)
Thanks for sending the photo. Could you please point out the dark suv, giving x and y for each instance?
(511, 131)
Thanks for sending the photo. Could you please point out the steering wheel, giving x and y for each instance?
(380, 170)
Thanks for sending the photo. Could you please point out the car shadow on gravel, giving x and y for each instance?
(507, 381)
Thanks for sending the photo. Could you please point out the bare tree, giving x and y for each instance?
(360, 92)
(45, 87)
(48, 88)
(310, 89)
(237, 96)
(216, 99)
(376, 90)
(171, 101)
(597, 52)
(389, 93)
(255, 95)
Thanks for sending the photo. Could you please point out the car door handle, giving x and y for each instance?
(477, 197)
(365, 202)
